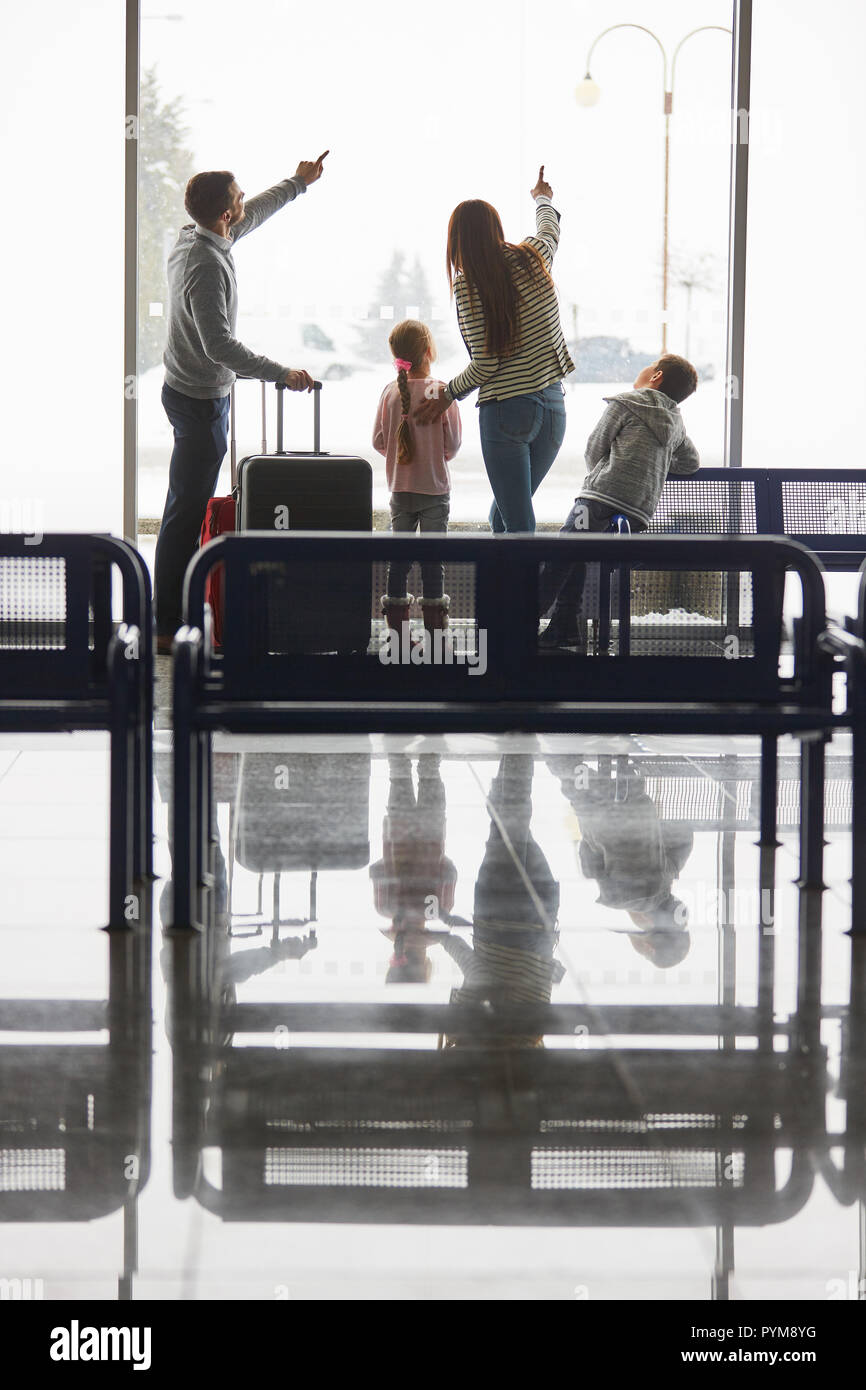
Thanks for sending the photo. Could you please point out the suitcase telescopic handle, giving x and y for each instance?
(233, 444)
(317, 416)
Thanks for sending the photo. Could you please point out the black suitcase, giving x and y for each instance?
(303, 811)
(321, 608)
(299, 811)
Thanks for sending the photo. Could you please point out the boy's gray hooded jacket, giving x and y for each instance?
(637, 441)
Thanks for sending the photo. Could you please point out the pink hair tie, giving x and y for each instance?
(402, 365)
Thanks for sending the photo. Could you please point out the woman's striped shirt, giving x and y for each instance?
(541, 357)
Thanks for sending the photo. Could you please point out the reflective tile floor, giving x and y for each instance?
(475, 1018)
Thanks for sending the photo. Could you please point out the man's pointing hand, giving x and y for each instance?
(311, 169)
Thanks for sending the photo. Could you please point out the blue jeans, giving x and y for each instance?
(520, 438)
(200, 438)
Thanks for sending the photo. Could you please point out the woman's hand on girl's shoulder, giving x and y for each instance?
(434, 404)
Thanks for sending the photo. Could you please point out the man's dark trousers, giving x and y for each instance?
(200, 439)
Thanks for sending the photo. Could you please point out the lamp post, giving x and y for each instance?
(588, 93)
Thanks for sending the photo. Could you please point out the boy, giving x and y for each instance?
(632, 853)
(639, 439)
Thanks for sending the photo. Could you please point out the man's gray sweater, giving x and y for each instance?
(639, 439)
(202, 355)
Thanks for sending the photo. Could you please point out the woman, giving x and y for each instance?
(509, 318)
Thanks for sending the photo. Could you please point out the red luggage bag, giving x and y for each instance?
(220, 519)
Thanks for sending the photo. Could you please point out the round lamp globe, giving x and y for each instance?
(587, 92)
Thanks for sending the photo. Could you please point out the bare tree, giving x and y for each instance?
(694, 272)
(165, 164)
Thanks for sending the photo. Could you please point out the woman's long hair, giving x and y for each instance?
(491, 267)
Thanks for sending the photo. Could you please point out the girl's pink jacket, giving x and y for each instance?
(435, 444)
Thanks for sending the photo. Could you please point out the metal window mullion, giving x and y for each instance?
(741, 74)
(130, 275)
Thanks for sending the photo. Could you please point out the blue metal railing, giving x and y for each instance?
(257, 686)
(66, 665)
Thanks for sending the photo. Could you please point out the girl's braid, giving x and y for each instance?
(405, 442)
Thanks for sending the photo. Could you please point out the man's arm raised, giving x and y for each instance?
(258, 209)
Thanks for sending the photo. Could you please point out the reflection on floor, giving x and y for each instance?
(538, 1011)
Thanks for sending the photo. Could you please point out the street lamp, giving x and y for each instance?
(587, 93)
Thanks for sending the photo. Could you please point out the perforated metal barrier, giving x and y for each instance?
(701, 506)
(459, 585)
(68, 663)
(33, 602)
(616, 1170)
(418, 1168)
(674, 612)
(695, 673)
(695, 612)
(815, 506)
(32, 1170)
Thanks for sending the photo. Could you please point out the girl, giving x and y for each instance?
(414, 870)
(416, 466)
(509, 318)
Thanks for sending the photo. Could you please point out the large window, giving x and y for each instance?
(422, 109)
(803, 399)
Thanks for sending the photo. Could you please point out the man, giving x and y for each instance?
(202, 359)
